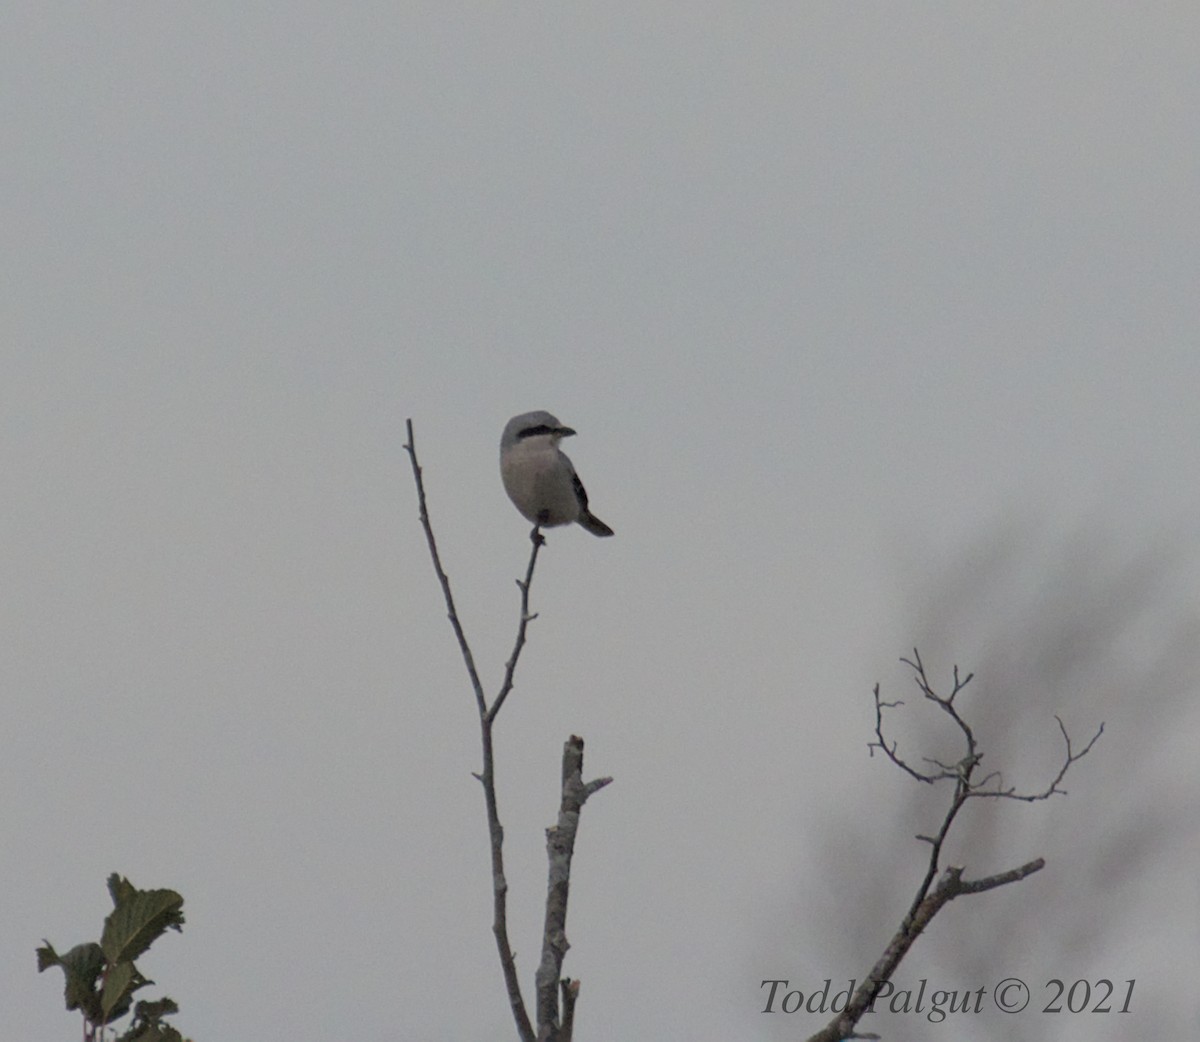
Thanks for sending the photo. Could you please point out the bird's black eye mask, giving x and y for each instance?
(541, 428)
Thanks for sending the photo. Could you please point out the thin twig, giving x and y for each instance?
(487, 777)
(1052, 789)
(510, 666)
(463, 646)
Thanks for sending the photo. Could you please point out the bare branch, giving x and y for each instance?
(510, 666)
(949, 886)
(487, 777)
(1014, 875)
(945, 704)
(560, 848)
(930, 898)
(570, 992)
(890, 750)
(1052, 789)
(464, 647)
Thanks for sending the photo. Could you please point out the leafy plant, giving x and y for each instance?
(102, 978)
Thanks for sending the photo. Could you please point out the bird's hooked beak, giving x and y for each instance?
(564, 432)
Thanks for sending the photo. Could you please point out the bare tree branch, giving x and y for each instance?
(570, 992)
(931, 898)
(560, 847)
(463, 646)
(949, 886)
(1052, 789)
(487, 777)
(560, 838)
(510, 666)
(962, 770)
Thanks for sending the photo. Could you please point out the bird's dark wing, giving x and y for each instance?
(580, 491)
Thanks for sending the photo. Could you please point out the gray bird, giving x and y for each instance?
(539, 478)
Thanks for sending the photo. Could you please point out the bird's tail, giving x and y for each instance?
(593, 524)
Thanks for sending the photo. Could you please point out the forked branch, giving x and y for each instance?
(487, 776)
(930, 898)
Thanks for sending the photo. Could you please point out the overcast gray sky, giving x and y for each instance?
(832, 293)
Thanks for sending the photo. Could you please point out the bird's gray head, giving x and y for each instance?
(533, 425)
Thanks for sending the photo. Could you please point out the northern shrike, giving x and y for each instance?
(539, 478)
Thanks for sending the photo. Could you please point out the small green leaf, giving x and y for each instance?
(164, 1007)
(117, 994)
(82, 966)
(47, 956)
(138, 919)
(148, 1025)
